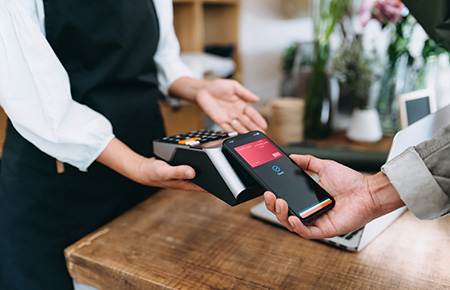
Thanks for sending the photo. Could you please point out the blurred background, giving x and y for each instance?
(332, 70)
(315, 63)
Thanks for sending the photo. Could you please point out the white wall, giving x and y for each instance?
(265, 33)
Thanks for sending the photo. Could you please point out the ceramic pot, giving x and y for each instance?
(365, 126)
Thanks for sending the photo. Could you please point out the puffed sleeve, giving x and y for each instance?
(167, 56)
(35, 93)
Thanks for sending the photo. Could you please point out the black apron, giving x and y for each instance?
(107, 48)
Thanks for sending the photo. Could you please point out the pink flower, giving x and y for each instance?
(385, 11)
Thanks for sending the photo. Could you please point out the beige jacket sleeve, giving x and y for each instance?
(421, 175)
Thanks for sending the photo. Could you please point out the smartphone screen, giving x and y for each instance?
(276, 172)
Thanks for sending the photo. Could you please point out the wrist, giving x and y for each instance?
(384, 195)
(123, 160)
(187, 88)
(133, 168)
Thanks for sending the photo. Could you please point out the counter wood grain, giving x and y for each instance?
(190, 240)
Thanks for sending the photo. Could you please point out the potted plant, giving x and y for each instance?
(355, 71)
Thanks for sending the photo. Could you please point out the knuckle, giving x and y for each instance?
(159, 174)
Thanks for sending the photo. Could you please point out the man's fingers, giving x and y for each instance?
(278, 207)
(306, 231)
(308, 162)
(282, 213)
(302, 230)
(270, 199)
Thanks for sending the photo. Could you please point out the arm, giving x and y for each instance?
(224, 101)
(421, 176)
(35, 93)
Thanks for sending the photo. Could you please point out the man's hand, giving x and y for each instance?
(359, 199)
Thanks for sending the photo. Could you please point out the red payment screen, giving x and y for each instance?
(258, 152)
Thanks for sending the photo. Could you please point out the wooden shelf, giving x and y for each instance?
(199, 23)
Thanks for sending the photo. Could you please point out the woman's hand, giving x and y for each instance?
(359, 199)
(147, 171)
(224, 101)
(158, 173)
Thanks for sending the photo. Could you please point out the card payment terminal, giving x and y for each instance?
(216, 172)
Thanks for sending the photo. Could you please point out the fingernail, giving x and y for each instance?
(267, 202)
(277, 208)
(189, 174)
(291, 223)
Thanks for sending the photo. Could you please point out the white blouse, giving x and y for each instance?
(35, 89)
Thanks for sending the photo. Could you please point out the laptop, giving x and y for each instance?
(422, 130)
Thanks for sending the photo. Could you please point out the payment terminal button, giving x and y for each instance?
(190, 140)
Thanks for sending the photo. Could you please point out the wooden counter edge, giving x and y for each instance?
(82, 269)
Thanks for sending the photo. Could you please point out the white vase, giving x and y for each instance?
(365, 126)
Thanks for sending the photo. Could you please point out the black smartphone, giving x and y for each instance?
(275, 171)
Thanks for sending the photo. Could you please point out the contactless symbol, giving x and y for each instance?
(276, 168)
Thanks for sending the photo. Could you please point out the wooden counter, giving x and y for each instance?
(189, 240)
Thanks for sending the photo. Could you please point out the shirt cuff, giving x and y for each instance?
(169, 70)
(84, 166)
(416, 185)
